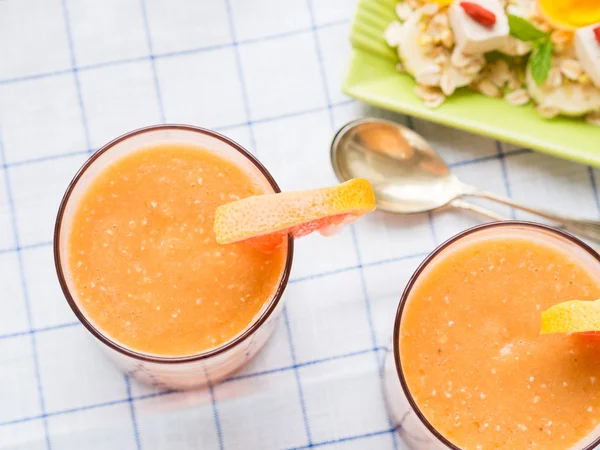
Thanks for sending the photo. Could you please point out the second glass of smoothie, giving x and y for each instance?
(468, 368)
(138, 262)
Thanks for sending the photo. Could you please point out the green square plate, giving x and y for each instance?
(372, 78)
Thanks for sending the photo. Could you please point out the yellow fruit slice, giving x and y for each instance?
(570, 13)
(574, 316)
(267, 219)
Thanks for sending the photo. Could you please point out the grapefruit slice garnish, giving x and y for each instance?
(574, 316)
(265, 220)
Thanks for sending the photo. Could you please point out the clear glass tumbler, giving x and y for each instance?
(408, 420)
(170, 372)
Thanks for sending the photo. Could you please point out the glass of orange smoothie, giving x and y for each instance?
(139, 265)
(468, 368)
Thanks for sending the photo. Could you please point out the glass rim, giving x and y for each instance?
(102, 337)
(415, 276)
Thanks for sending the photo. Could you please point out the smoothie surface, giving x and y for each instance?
(144, 261)
(472, 354)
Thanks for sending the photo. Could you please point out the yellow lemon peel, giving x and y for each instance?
(573, 316)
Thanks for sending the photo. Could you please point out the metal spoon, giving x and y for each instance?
(408, 176)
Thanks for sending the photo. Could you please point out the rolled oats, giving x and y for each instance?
(473, 67)
(429, 9)
(487, 88)
(441, 59)
(448, 81)
(522, 48)
(459, 59)
(593, 118)
(425, 40)
(547, 112)
(447, 39)
(404, 10)
(393, 34)
(513, 83)
(440, 20)
(571, 68)
(435, 102)
(499, 73)
(561, 37)
(518, 97)
(432, 97)
(429, 79)
(554, 79)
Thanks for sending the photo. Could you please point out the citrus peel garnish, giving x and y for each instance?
(574, 316)
(267, 219)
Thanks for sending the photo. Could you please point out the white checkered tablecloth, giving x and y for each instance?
(76, 73)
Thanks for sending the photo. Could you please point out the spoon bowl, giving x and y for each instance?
(407, 175)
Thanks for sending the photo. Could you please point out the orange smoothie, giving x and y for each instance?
(143, 259)
(471, 350)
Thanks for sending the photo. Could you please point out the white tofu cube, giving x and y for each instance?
(473, 38)
(587, 49)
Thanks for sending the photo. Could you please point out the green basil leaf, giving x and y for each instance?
(541, 62)
(524, 30)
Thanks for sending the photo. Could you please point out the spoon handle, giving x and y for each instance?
(462, 204)
(588, 228)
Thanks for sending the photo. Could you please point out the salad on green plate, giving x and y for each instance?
(524, 71)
